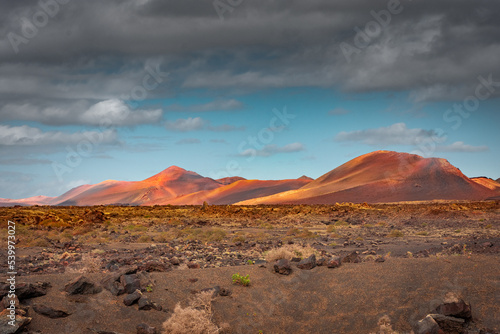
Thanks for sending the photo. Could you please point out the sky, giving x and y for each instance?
(96, 90)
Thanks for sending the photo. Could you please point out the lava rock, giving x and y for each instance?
(283, 267)
(335, 262)
(427, 326)
(130, 283)
(455, 307)
(144, 303)
(31, 290)
(50, 312)
(352, 258)
(307, 263)
(132, 297)
(449, 324)
(19, 322)
(82, 286)
(193, 265)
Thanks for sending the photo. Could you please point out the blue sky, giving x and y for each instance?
(208, 102)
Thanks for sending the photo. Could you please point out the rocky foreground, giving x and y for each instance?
(327, 269)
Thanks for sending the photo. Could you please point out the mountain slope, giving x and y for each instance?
(234, 192)
(385, 176)
(487, 182)
(170, 183)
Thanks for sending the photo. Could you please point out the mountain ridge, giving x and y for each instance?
(379, 176)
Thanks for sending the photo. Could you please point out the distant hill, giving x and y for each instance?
(385, 176)
(381, 176)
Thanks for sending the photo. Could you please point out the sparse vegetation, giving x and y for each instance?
(395, 234)
(289, 252)
(196, 318)
(241, 280)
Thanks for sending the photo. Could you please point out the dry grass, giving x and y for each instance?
(289, 252)
(196, 318)
(385, 326)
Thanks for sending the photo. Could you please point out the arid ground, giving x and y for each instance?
(398, 261)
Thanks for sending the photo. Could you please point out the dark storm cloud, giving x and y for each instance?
(94, 51)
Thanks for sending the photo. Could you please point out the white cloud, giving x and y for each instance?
(460, 146)
(396, 134)
(184, 125)
(29, 136)
(217, 105)
(113, 112)
(270, 150)
(197, 123)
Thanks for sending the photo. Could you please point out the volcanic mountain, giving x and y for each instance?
(174, 185)
(487, 182)
(170, 183)
(385, 176)
(235, 192)
(381, 176)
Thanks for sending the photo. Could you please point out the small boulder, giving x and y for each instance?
(6, 319)
(449, 324)
(307, 263)
(352, 258)
(82, 286)
(427, 326)
(31, 290)
(335, 262)
(283, 267)
(455, 307)
(49, 311)
(193, 265)
(132, 297)
(144, 303)
(130, 283)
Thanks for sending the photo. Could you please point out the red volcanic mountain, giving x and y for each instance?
(487, 182)
(380, 176)
(385, 176)
(235, 192)
(174, 185)
(170, 183)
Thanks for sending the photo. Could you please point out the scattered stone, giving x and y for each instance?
(175, 261)
(449, 324)
(82, 286)
(146, 329)
(427, 326)
(144, 303)
(455, 307)
(155, 266)
(215, 289)
(295, 259)
(130, 283)
(283, 267)
(50, 312)
(113, 285)
(487, 244)
(352, 258)
(193, 265)
(335, 262)
(29, 290)
(380, 259)
(192, 280)
(132, 297)
(321, 262)
(19, 322)
(308, 263)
